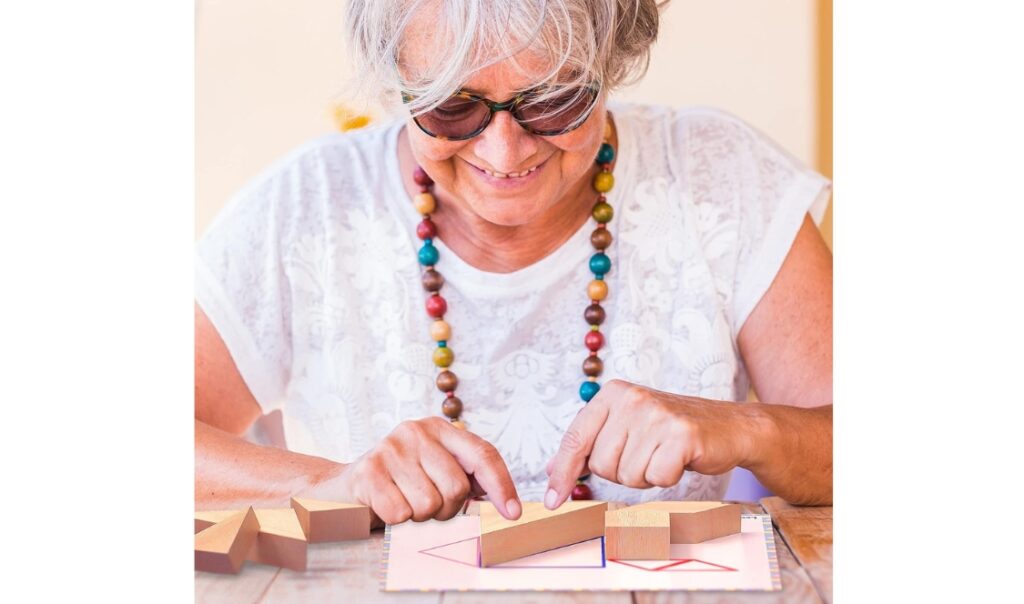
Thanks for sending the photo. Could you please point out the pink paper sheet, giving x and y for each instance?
(436, 556)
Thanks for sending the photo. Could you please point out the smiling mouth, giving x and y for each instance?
(509, 174)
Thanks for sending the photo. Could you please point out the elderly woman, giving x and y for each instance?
(522, 289)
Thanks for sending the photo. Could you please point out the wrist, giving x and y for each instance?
(764, 431)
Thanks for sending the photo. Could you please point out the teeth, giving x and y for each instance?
(510, 174)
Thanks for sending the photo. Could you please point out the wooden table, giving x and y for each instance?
(348, 572)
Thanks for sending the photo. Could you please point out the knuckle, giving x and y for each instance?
(662, 476)
(634, 396)
(572, 441)
(408, 429)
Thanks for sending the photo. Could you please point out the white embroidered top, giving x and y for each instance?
(310, 276)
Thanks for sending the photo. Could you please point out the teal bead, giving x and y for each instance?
(428, 254)
(442, 343)
(588, 390)
(606, 154)
(600, 264)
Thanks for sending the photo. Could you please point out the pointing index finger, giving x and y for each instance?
(577, 443)
(481, 461)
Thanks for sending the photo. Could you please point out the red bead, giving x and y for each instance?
(581, 492)
(436, 306)
(421, 177)
(594, 340)
(426, 229)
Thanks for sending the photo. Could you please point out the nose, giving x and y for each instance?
(504, 144)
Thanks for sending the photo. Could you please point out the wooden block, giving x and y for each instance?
(223, 547)
(697, 521)
(324, 521)
(279, 542)
(207, 518)
(538, 529)
(631, 534)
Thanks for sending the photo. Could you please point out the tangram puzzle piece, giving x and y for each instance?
(538, 529)
(324, 521)
(280, 540)
(636, 535)
(627, 537)
(222, 546)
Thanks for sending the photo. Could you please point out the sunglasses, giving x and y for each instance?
(465, 115)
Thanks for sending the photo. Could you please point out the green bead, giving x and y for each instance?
(428, 254)
(604, 181)
(588, 390)
(606, 154)
(443, 357)
(600, 264)
(602, 212)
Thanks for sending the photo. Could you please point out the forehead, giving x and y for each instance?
(430, 50)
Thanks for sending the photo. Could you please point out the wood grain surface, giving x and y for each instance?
(807, 532)
(349, 572)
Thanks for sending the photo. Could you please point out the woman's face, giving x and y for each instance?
(505, 175)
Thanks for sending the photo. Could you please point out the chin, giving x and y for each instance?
(508, 212)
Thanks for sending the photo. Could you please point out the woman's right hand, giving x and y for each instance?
(425, 469)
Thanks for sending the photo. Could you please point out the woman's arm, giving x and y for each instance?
(640, 437)
(423, 469)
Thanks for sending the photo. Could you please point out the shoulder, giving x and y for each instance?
(317, 177)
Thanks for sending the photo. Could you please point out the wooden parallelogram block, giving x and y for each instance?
(697, 521)
(324, 521)
(223, 546)
(538, 529)
(636, 535)
(280, 540)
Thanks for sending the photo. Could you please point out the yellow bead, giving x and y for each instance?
(443, 357)
(424, 203)
(603, 182)
(461, 425)
(597, 290)
(440, 330)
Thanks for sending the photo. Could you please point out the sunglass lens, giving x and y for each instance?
(457, 117)
(558, 113)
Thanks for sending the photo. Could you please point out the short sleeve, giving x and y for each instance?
(240, 282)
(754, 194)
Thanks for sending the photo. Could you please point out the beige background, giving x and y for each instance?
(269, 75)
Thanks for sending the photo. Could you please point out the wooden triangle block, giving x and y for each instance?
(538, 529)
(631, 534)
(223, 547)
(324, 521)
(280, 540)
(697, 521)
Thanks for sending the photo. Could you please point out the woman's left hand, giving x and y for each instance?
(642, 438)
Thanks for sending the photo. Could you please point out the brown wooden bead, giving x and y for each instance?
(594, 314)
(601, 238)
(432, 280)
(447, 382)
(452, 407)
(592, 366)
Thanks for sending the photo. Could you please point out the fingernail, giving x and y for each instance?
(513, 508)
(550, 499)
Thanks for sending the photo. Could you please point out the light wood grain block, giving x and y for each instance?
(280, 540)
(538, 529)
(223, 547)
(697, 521)
(325, 521)
(636, 535)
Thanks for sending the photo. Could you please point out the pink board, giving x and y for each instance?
(442, 556)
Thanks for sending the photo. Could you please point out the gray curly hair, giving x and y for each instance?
(584, 42)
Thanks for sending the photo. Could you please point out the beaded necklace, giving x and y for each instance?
(597, 290)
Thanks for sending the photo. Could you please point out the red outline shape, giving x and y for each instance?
(678, 562)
